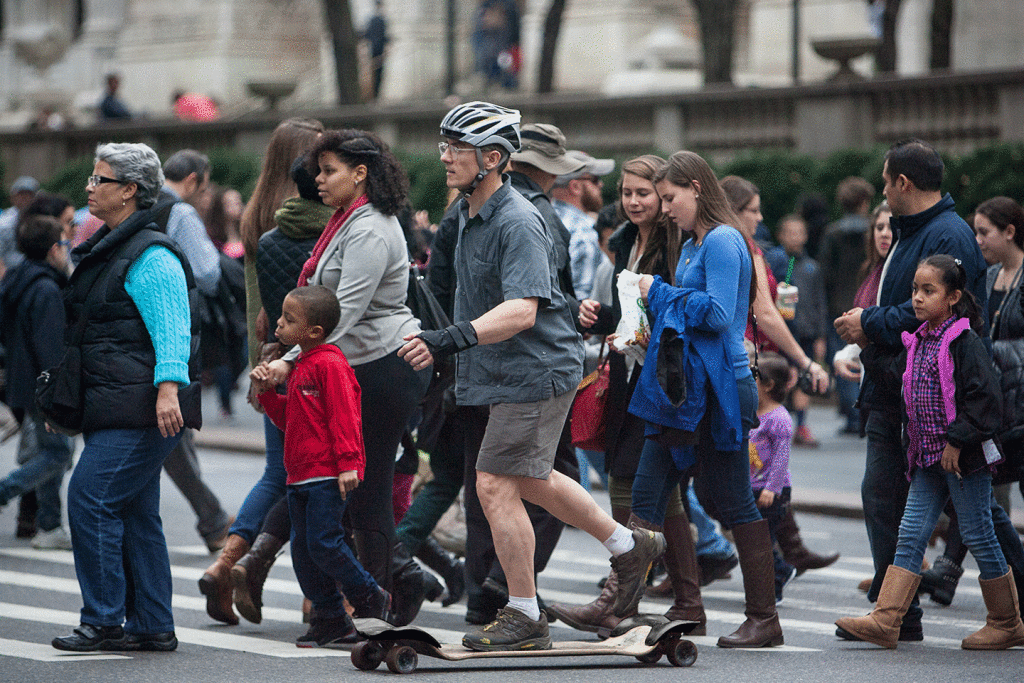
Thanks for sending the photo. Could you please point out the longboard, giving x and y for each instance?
(648, 640)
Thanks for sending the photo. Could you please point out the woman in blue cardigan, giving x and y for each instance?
(714, 286)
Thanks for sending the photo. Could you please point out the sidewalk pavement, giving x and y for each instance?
(826, 480)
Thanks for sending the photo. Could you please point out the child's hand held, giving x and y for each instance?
(347, 482)
(951, 459)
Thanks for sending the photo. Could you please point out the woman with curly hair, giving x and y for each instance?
(362, 257)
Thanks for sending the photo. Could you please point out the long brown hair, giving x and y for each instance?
(684, 168)
(291, 138)
(872, 257)
(663, 241)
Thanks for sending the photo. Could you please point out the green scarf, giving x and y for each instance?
(301, 219)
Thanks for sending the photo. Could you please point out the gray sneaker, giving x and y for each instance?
(54, 539)
(511, 630)
(632, 569)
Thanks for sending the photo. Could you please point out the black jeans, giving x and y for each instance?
(884, 496)
(391, 391)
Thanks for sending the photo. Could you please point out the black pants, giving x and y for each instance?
(391, 391)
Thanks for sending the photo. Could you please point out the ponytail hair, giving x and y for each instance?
(954, 278)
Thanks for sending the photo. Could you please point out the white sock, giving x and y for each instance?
(527, 606)
(621, 541)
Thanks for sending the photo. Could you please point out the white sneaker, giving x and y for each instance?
(54, 539)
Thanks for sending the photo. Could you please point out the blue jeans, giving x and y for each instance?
(321, 557)
(46, 457)
(884, 496)
(725, 475)
(709, 541)
(588, 459)
(971, 497)
(267, 491)
(116, 533)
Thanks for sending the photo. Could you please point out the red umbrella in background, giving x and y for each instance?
(192, 106)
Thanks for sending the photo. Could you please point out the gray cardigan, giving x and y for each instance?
(366, 263)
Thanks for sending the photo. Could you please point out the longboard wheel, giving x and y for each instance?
(401, 659)
(681, 652)
(652, 657)
(367, 655)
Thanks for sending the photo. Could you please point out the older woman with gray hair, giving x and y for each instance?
(131, 308)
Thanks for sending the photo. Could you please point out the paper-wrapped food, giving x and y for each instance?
(634, 330)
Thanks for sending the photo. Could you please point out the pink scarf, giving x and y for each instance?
(337, 220)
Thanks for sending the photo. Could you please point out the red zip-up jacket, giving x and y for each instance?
(320, 416)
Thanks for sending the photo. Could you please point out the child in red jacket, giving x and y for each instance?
(324, 460)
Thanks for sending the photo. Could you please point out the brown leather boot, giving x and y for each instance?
(762, 628)
(250, 573)
(1003, 628)
(882, 626)
(216, 581)
(595, 617)
(633, 567)
(681, 564)
(793, 549)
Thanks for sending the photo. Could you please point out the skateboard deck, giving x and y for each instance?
(647, 641)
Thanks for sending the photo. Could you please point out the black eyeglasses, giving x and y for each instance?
(96, 180)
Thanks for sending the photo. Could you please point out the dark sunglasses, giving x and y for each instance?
(96, 180)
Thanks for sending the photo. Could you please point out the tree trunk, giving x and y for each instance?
(942, 34)
(885, 58)
(552, 27)
(717, 27)
(346, 59)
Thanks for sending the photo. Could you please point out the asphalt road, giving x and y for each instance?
(39, 599)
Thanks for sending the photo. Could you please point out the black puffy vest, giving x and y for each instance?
(118, 358)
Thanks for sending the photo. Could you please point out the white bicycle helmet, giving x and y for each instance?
(481, 124)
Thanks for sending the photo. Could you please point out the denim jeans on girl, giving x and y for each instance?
(725, 474)
(116, 533)
(268, 490)
(320, 555)
(971, 496)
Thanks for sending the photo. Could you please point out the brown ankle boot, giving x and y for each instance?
(249, 574)
(793, 549)
(1003, 628)
(216, 581)
(595, 617)
(761, 629)
(633, 567)
(882, 626)
(681, 564)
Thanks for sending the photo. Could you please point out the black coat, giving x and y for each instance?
(33, 315)
(624, 433)
(1007, 329)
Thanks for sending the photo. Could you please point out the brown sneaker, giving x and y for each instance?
(632, 569)
(511, 630)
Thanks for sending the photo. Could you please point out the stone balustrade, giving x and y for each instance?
(956, 112)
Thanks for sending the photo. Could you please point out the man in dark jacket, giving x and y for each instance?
(33, 308)
(923, 223)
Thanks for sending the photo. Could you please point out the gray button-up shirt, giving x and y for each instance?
(505, 253)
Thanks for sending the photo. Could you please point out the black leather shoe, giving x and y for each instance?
(151, 642)
(89, 638)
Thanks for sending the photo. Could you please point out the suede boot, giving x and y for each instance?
(761, 628)
(882, 626)
(250, 573)
(793, 549)
(448, 566)
(1003, 628)
(681, 565)
(216, 581)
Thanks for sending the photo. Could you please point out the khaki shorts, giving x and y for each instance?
(521, 438)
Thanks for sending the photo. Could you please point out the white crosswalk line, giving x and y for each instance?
(46, 653)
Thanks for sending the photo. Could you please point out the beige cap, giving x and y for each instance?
(543, 146)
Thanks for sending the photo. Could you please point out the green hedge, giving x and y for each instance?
(783, 176)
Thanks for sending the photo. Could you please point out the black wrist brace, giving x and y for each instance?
(452, 339)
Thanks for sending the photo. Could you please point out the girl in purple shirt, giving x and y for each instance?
(769, 455)
(953, 405)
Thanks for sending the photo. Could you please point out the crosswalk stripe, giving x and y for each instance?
(46, 653)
